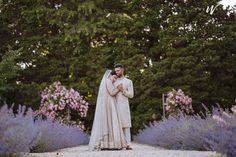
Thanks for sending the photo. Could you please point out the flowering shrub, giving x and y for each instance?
(177, 102)
(222, 140)
(215, 132)
(17, 132)
(222, 137)
(54, 135)
(179, 132)
(57, 102)
(20, 133)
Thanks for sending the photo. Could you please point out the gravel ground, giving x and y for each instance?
(139, 150)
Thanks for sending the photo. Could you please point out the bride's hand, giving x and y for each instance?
(120, 87)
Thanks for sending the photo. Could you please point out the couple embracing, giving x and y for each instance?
(112, 120)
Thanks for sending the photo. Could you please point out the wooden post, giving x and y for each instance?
(68, 115)
(163, 105)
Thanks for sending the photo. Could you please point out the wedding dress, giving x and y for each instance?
(107, 131)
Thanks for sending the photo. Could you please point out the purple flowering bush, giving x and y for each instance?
(17, 131)
(177, 132)
(57, 103)
(21, 133)
(215, 132)
(54, 135)
(222, 138)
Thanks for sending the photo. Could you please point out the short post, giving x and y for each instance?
(68, 117)
(163, 105)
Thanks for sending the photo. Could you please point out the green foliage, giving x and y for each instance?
(39, 147)
(163, 45)
(11, 155)
(8, 72)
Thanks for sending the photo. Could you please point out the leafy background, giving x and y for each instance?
(163, 45)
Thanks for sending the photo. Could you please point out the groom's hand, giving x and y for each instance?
(120, 87)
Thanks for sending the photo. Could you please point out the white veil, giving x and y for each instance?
(100, 129)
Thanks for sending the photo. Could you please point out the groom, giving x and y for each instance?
(126, 91)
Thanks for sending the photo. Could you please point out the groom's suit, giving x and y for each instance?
(123, 104)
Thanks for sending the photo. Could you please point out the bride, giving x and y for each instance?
(107, 132)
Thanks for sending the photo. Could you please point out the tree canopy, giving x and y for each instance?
(162, 44)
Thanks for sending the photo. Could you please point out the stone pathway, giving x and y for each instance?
(139, 150)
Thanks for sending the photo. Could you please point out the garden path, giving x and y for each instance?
(139, 150)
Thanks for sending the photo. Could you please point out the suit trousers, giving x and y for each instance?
(127, 135)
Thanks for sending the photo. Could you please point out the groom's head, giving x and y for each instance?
(119, 69)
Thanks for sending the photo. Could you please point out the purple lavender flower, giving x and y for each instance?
(56, 135)
(215, 132)
(20, 133)
(17, 132)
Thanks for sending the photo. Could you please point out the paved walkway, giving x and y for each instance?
(139, 150)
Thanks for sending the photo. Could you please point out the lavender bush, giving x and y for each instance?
(222, 137)
(215, 132)
(222, 140)
(20, 133)
(17, 132)
(54, 135)
(180, 132)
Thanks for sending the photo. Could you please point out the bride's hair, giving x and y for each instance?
(113, 72)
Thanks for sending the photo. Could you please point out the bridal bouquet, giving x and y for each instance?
(57, 103)
(177, 102)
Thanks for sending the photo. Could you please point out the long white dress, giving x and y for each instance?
(107, 131)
